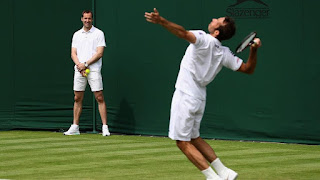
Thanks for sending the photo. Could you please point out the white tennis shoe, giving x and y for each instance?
(105, 130)
(73, 130)
(228, 174)
(215, 178)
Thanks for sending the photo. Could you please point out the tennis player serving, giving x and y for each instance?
(202, 61)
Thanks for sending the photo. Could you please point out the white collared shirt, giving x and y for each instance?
(86, 44)
(202, 61)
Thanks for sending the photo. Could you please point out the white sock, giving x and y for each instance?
(104, 126)
(209, 173)
(218, 166)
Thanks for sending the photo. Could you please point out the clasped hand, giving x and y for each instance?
(81, 68)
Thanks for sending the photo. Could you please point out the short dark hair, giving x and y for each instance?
(87, 11)
(227, 30)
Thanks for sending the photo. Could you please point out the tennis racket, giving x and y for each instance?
(247, 41)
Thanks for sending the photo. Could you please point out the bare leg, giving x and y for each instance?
(205, 149)
(102, 106)
(193, 154)
(77, 107)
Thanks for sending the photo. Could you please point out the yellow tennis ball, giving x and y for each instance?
(87, 71)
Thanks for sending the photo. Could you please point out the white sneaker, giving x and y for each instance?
(105, 130)
(73, 130)
(228, 174)
(215, 178)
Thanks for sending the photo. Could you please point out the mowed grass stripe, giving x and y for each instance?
(83, 148)
(66, 140)
(29, 159)
(58, 142)
(53, 150)
(64, 165)
(75, 145)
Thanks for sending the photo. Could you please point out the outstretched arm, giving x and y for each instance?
(154, 17)
(250, 65)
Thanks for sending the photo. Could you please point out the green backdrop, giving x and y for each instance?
(279, 102)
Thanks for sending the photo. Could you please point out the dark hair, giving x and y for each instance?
(227, 30)
(87, 11)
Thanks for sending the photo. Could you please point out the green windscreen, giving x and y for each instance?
(279, 102)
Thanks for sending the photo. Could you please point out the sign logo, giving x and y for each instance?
(248, 9)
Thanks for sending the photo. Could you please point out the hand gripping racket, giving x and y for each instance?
(247, 41)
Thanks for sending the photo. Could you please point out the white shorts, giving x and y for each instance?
(94, 78)
(186, 115)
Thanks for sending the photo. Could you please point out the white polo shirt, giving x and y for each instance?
(86, 44)
(202, 61)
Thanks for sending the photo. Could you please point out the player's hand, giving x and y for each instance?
(257, 43)
(81, 67)
(83, 73)
(153, 17)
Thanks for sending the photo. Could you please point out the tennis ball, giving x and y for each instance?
(86, 72)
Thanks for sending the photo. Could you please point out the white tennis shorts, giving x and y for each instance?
(94, 78)
(185, 117)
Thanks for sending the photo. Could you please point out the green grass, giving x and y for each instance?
(49, 155)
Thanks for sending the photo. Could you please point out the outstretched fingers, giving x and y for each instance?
(152, 17)
(149, 20)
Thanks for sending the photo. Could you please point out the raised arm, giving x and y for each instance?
(250, 65)
(154, 17)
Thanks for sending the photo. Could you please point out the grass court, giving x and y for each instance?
(50, 155)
